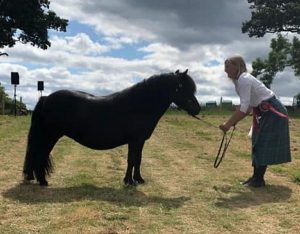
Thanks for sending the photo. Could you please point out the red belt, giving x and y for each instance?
(264, 107)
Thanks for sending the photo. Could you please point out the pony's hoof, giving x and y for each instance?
(25, 181)
(130, 182)
(43, 183)
(139, 181)
(29, 177)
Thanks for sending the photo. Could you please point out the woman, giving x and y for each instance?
(270, 130)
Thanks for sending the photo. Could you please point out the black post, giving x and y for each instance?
(15, 99)
(40, 86)
(15, 82)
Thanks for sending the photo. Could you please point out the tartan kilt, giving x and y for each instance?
(271, 140)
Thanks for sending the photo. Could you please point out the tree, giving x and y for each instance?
(297, 100)
(271, 16)
(28, 21)
(3, 96)
(275, 16)
(7, 104)
(283, 54)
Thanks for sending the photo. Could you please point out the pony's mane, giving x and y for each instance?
(152, 83)
(170, 80)
(158, 85)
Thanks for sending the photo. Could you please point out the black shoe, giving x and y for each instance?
(256, 183)
(247, 181)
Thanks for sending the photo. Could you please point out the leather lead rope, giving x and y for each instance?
(224, 143)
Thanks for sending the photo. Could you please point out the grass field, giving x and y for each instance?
(183, 193)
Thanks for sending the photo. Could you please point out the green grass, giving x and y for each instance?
(183, 192)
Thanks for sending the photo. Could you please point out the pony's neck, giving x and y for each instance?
(162, 85)
(154, 94)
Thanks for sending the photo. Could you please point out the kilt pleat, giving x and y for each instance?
(271, 141)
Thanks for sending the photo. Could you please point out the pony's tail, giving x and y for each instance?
(37, 163)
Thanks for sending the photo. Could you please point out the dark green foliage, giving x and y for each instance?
(270, 16)
(28, 21)
(277, 60)
(275, 16)
(295, 56)
(7, 104)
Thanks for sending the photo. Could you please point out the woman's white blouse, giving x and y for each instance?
(251, 91)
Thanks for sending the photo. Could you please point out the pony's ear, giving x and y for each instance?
(185, 72)
(177, 72)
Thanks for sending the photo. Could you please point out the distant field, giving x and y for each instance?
(183, 192)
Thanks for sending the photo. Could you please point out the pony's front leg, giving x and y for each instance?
(137, 164)
(134, 160)
(128, 176)
(137, 175)
(130, 163)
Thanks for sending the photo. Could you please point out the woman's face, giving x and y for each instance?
(231, 70)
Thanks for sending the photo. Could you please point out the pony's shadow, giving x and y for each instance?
(126, 196)
(254, 196)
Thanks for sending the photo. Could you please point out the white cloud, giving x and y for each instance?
(78, 44)
(171, 35)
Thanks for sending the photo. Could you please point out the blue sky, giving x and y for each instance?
(110, 45)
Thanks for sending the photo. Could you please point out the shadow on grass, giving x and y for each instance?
(126, 196)
(254, 196)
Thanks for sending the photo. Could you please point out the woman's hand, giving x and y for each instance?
(224, 127)
(233, 120)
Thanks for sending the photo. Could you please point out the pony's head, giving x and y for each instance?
(184, 95)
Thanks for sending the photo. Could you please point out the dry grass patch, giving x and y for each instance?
(183, 192)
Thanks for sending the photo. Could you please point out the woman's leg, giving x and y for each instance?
(258, 177)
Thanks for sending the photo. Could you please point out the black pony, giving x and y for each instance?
(126, 117)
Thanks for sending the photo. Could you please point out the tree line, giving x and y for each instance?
(7, 104)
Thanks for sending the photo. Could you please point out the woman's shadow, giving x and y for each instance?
(254, 196)
(126, 196)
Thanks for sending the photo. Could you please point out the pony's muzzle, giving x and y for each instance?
(193, 107)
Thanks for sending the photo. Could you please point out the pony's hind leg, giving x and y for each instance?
(44, 166)
(30, 159)
(28, 169)
(41, 139)
(28, 176)
(41, 176)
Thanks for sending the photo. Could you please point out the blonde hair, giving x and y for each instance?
(238, 62)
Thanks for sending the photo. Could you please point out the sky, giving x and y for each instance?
(112, 44)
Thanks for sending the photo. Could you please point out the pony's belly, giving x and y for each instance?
(100, 143)
(99, 146)
(102, 137)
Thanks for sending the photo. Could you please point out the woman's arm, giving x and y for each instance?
(233, 120)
